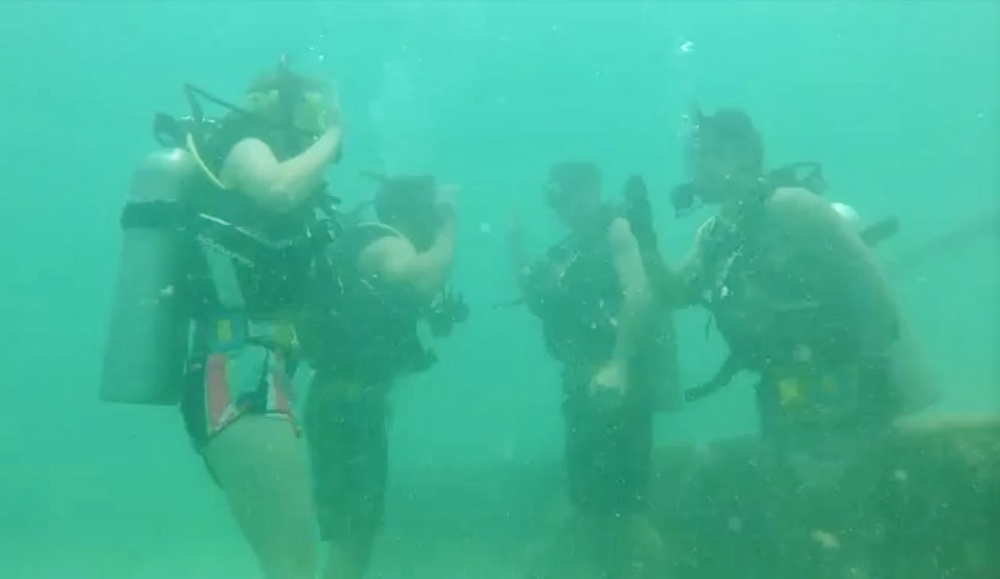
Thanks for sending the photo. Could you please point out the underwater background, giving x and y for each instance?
(899, 100)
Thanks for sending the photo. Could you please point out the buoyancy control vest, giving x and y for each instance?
(574, 291)
(356, 326)
(736, 268)
(245, 257)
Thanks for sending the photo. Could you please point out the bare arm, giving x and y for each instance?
(842, 269)
(634, 316)
(395, 261)
(279, 185)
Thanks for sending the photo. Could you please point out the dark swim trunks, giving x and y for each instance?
(608, 452)
(346, 430)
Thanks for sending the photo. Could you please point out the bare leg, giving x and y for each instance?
(259, 464)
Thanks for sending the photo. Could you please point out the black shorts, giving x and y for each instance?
(347, 436)
(608, 453)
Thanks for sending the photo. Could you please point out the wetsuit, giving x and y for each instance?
(359, 344)
(815, 386)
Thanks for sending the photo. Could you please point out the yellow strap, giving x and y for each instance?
(789, 391)
(224, 330)
(193, 149)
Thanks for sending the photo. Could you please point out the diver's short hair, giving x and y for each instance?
(404, 195)
(582, 176)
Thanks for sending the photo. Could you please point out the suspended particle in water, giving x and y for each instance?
(826, 539)
(735, 524)
(485, 228)
(316, 51)
(507, 450)
(686, 47)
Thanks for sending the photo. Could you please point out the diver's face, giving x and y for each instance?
(573, 208)
(708, 168)
(309, 119)
(715, 169)
(309, 114)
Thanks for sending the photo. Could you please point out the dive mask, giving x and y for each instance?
(557, 195)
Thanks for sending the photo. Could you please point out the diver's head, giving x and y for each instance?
(299, 104)
(574, 192)
(724, 156)
(409, 204)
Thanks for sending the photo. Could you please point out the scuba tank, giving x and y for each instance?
(147, 339)
(147, 336)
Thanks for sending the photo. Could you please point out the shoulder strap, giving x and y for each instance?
(357, 235)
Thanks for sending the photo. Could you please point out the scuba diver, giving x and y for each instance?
(389, 276)
(220, 230)
(797, 294)
(616, 345)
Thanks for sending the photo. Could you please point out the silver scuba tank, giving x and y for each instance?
(147, 336)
